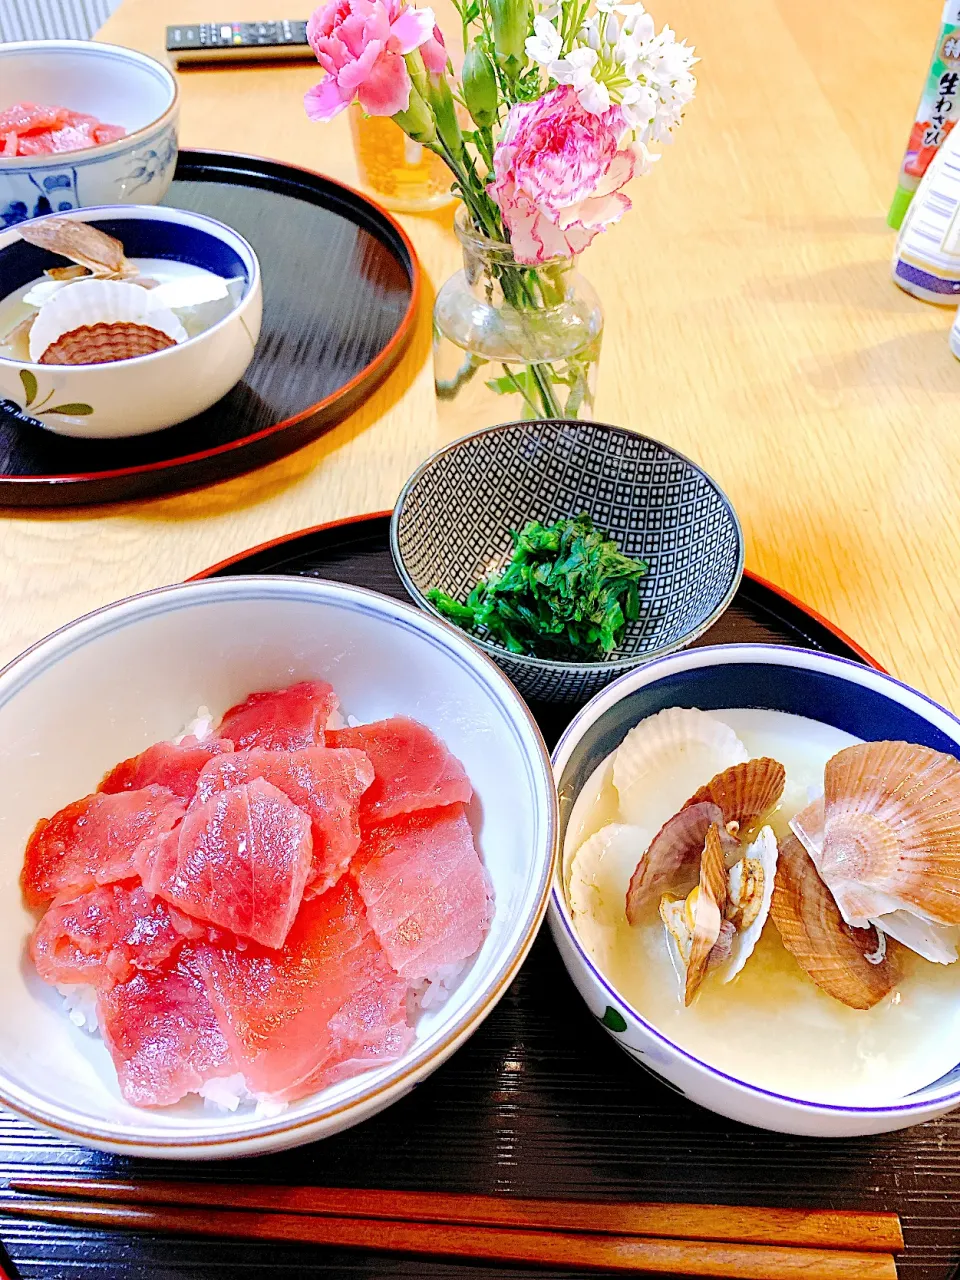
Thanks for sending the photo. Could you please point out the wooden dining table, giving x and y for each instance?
(751, 322)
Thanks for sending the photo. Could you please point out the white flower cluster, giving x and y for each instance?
(616, 58)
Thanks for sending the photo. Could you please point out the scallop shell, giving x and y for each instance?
(82, 243)
(749, 894)
(892, 825)
(672, 858)
(104, 343)
(858, 904)
(745, 792)
(89, 304)
(600, 870)
(833, 954)
(938, 943)
(665, 758)
(708, 913)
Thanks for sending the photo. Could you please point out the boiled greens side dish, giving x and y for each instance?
(567, 593)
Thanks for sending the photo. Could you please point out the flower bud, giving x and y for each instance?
(479, 87)
(611, 30)
(417, 122)
(511, 23)
(444, 109)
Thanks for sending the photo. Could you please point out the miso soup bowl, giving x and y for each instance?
(111, 683)
(858, 699)
(118, 86)
(133, 397)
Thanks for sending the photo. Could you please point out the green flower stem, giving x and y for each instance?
(520, 285)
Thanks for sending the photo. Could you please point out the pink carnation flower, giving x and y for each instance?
(360, 44)
(558, 174)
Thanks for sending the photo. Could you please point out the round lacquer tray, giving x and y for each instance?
(340, 289)
(540, 1102)
(358, 551)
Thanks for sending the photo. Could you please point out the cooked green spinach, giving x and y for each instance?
(567, 593)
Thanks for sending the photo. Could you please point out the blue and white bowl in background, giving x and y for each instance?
(118, 86)
(856, 699)
(132, 397)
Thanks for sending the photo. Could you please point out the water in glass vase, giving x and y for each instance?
(513, 341)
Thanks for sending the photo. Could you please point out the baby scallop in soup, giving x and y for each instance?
(761, 1019)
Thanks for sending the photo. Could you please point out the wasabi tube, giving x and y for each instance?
(936, 115)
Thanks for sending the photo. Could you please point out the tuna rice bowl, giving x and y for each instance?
(262, 906)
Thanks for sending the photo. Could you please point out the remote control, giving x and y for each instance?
(238, 41)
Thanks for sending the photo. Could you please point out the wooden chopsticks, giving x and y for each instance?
(741, 1243)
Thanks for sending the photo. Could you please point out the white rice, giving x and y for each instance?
(200, 727)
(430, 993)
(80, 1005)
(225, 1093)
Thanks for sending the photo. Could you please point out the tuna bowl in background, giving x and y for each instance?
(856, 700)
(118, 86)
(451, 527)
(132, 397)
(113, 682)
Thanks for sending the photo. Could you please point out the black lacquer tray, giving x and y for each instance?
(340, 291)
(539, 1102)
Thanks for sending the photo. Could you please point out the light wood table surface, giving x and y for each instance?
(751, 323)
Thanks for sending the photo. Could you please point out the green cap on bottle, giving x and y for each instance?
(898, 210)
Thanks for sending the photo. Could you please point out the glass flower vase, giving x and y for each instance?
(513, 341)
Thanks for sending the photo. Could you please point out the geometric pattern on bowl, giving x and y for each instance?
(450, 527)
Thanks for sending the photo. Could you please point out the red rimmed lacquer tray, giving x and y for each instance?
(341, 286)
(539, 1102)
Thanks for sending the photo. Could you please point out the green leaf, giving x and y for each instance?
(29, 381)
(566, 592)
(614, 1020)
(74, 410)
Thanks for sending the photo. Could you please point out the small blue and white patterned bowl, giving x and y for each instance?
(452, 523)
(857, 699)
(133, 397)
(118, 86)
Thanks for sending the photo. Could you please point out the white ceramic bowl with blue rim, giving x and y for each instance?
(132, 397)
(857, 699)
(111, 683)
(118, 86)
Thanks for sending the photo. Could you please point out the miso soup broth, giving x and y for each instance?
(771, 1026)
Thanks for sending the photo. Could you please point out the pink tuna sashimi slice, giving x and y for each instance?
(103, 936)
(294, 1018)
(326, 785)
(281, 719)
(94, 841)
(28, 117)
(162, 1035)
(175, 766)
(412, 768)
(425, 889)
(240, 860)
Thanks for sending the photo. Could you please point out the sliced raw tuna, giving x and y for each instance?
(425, 890)
(162, 1035)
(101, 937)
(281, 719)
(103, 133)
(412, 768)
(240, 860)
(327, 785)
(175, 766)
(295, 1018)
(94, 841)
(28, 117)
